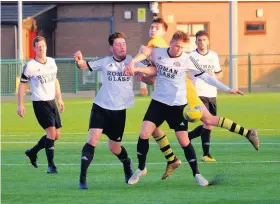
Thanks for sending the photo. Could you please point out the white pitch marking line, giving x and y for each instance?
(152, 163)
(153, 143)
(85, 133)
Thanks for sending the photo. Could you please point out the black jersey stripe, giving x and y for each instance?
(196, 64)
(24, 78)
(196, 75)
(146, 62)
(90, 69)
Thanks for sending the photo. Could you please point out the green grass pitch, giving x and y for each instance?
(243, 174)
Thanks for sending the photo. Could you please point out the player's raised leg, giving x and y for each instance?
(230, 125)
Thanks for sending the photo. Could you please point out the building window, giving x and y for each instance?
(255, 28)
(192, 29)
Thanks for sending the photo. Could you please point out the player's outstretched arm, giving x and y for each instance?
(234, 91)
(150, 80)
(81, 63)
(214, 82)
(151, 70)
(144, 53)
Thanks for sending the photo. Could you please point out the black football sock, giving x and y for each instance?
(142, 150)
(191, 158)
(205, 141)
(123, 155)
(87, 157)
(196, 132)
(40, 145)
(49, 147)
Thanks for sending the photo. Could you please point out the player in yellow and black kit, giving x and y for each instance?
(157, 31)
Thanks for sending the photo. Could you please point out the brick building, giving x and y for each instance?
(86, 26)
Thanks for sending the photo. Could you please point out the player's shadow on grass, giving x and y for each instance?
(217, 180)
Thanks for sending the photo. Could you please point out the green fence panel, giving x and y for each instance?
(256, 72)
(9, 73)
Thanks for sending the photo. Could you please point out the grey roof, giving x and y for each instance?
(9, 13)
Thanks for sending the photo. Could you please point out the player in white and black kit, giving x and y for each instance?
(41, 73)
(169, 99)
(108, 113)
(208, 60)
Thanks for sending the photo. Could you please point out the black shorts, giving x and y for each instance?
(159, 112)
(111, 121)
(47, 114)
(210, 103)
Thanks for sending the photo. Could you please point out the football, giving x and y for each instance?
(192, 113)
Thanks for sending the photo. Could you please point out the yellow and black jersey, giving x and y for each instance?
(157, 42)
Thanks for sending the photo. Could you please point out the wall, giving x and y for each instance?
(217, 14)
(7, 42)
(201, 12)
(259, 44)
(137, 33)
(91, 37)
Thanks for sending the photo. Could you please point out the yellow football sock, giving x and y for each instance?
(232, 126)
(163, 143)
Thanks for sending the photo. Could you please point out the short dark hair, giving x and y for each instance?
(162, 22)
(201, 33)
(38, 39)
(180, 35)
(114, 36)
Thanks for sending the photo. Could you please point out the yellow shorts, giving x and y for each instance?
(192, 97)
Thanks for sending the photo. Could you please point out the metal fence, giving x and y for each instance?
(72, 80)
(9, 73)
(255, 73)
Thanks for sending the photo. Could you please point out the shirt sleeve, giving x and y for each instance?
(26, 74)
(153, 56)
(217, 68)
(96, 65)
(193, 67)
(209, 79)
(144, 63)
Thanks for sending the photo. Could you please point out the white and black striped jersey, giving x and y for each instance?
(171, 76)
(170, 82)
(116, 92)
(210, 64)
(42, 79)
